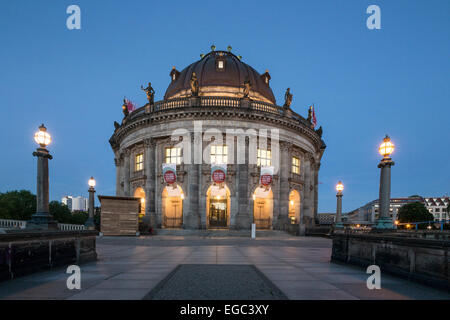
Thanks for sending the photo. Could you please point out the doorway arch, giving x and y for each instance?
(263, 208)
(172, 206)
(218, 207)
(140, 193)
(294, 207)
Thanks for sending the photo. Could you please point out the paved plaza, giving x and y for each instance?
(131, 267)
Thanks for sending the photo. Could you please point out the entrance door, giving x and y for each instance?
(218, 213)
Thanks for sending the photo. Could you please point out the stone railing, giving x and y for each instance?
(23, 253)
(12, 224)
(21, 224)
(70, 227)
(424, 260)
(226, 102)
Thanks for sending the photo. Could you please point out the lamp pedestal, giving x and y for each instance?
(339, 223)
(384, 220)
(42, 219)
(90, 220)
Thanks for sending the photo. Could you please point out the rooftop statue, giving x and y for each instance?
(309, 114)
(287, 98)
(150, 93)
(247, 86)
(194, 85)
(125, 107)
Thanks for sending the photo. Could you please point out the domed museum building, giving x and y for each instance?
(218, 152)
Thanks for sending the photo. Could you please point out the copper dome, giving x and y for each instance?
(225, 78)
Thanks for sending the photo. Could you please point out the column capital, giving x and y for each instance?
(149, 142)
(387, 162)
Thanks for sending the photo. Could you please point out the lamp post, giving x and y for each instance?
(339, 189)
(386, 149)
(90, 220)
(42, 218)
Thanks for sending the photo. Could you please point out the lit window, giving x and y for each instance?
(173, 155)
(219, 154)
(139, 162)
(295, 165)
(220, 64)
(174, 76)
(264, 158)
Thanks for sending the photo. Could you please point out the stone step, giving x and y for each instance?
(221, 233)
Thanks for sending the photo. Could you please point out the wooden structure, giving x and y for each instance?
(119, 215)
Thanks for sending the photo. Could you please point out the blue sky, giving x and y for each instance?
(364, 83)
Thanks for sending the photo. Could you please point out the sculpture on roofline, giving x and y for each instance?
(194, 85)
(287, 98)
(150, 93)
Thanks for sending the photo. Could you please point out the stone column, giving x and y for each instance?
(308, 199)
(283, 213)
(339, 210)
(42, 218)
(384, 219)
(316, 191)
(126, 169)
(118, 161)
(192, 218)
(90, 221)
(243, 217)
(150, 187)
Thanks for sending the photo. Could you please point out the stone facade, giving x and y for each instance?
(257, 124)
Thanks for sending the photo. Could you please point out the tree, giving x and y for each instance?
(79, 217)
(17, 205)
(60, 212)
(414, 212)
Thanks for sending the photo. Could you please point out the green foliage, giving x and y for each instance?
(17, 205)
(60, 212)
(414, 212)
(79, 217)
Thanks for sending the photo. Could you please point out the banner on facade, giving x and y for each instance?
(266, 176)
(218, 173)
(169, 172)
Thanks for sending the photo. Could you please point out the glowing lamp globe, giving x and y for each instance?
(386, 147)
(42, 137)
(339, 187)
(91, 182)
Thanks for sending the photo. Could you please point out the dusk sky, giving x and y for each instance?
(364, 83)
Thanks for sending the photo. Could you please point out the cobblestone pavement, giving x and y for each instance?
(130, 267)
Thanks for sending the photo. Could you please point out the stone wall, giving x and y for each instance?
(424, 260)
(25, 252)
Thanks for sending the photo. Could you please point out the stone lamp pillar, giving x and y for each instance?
(339, 189)
(384, 219)
(90, 221)
(42, 219)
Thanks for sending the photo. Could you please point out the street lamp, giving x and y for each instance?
(90, 220)
(42, 218)
(339, 189)
(386, 149)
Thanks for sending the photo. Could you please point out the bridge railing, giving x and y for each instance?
(70, 227)
(12, 224)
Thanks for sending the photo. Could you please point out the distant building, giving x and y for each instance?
(437, 206)
(326, 218)
(369, 212)
(75, 203)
